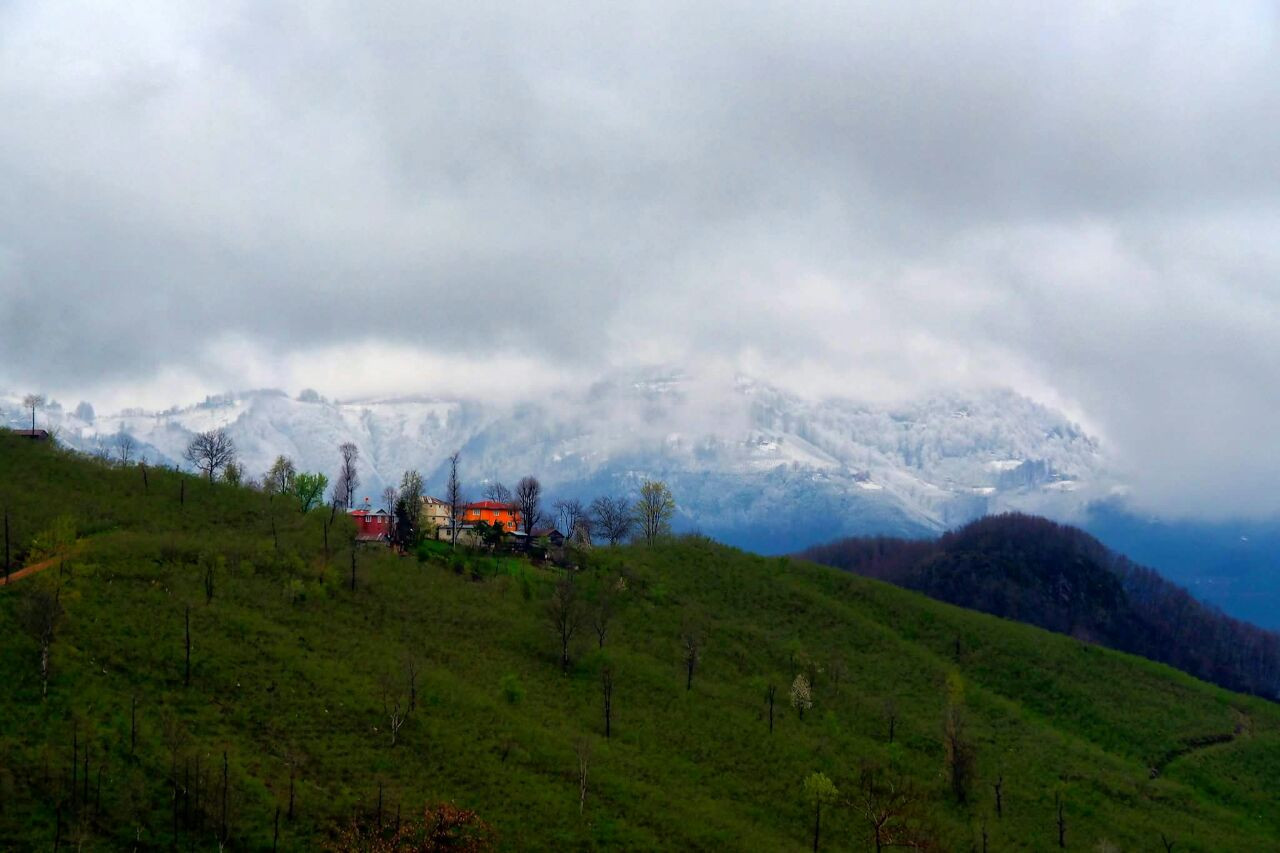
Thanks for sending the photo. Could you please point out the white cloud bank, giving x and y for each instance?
(871, 200)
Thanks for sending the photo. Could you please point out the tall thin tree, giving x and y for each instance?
(529, 500)
(454, 498)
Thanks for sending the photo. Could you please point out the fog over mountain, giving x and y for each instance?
(748, 462)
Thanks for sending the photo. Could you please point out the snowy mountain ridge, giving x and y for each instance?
(748, 463)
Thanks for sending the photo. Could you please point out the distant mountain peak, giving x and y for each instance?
(749, 462)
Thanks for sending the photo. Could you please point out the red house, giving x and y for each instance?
(372, 525)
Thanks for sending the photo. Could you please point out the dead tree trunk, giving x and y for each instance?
(186, 675)
(75, 763)
(44, 667)
(1062, 822)
(584, 760)
(223, 833)
(606, 688)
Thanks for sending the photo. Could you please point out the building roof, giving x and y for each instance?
(369, 512)
(490, 505)
(32, 433)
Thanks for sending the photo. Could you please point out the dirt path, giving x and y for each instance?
(1243, 726)
(26, 571)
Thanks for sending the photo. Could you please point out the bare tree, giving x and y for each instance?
(125, 447)
(602, 616)
(613, 518)
(569, 514)
(33, 402)
(1061, 820)
(891, 716)
(564, 611)
(691, 644)
(583, 750)
(606, 691)
(348, 479)
(389, 496)
(211, 451)
(654, 510)
(529, 500)
(770, 695)
(888, 805)
(454, 498)
(411, 673)
(396, 708)
(39, 615)
(498, 493)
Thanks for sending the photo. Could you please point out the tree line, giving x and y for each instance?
(608, 518)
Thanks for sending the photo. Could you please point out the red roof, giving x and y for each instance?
(490, 505)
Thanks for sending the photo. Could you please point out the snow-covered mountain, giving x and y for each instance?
(748, 463)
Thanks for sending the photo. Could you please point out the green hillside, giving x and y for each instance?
(292, 675)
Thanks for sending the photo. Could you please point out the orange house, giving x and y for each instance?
(492, 512)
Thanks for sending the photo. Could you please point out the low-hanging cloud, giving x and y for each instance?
(873, 200)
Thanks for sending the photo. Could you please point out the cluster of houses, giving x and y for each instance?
(436, 518)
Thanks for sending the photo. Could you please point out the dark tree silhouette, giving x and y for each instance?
(211, 451)
(529, 499)
(612, 518)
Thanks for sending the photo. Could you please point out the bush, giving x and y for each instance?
(512, 689)
(57, 536)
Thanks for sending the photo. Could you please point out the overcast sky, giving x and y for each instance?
(876, 200)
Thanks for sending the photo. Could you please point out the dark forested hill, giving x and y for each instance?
(1061, 578)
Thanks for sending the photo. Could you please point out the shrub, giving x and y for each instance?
(512, 689)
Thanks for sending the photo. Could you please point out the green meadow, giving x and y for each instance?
(307, 706)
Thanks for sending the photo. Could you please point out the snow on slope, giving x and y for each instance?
(748, 463)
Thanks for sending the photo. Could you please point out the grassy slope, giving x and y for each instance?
(288, 663)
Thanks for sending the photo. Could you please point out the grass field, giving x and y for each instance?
(293, 674)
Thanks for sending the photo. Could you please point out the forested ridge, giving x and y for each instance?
(1059, 577)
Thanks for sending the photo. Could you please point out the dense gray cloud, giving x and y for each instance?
(877, 200)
